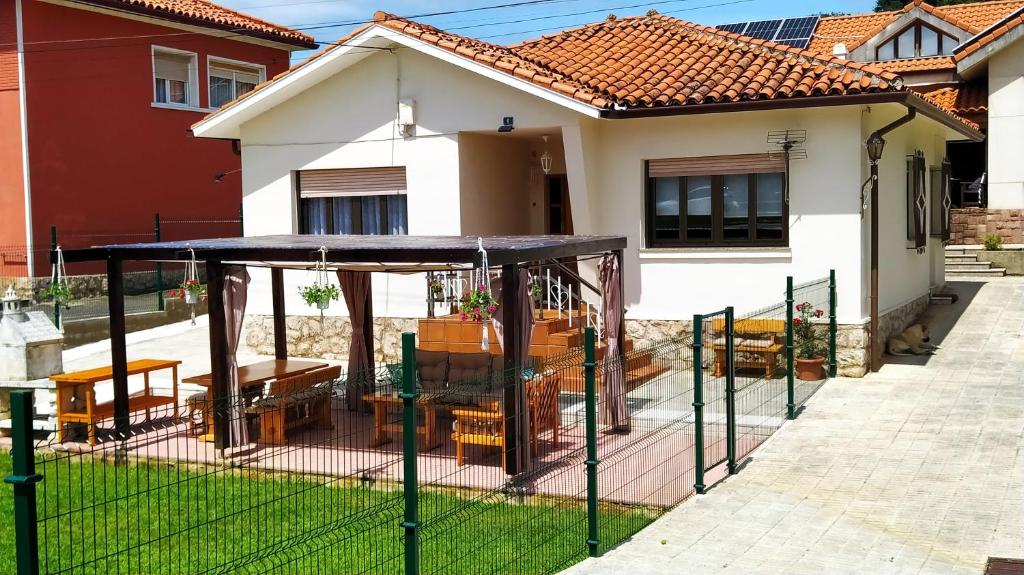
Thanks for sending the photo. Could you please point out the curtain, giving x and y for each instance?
(236, 282)
(371, 206)
(355, 286)
(397, 225)
(314, 211)
(523, 328)
(343, 215)
(613, 376)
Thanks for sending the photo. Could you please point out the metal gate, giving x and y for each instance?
(714, 388)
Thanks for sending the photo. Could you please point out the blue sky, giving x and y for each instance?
(328, 20)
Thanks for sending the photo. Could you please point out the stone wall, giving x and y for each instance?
(327, 337)
(95, 285)
(969, 226)
(898, 319)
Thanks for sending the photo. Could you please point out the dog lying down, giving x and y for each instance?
(912, 341)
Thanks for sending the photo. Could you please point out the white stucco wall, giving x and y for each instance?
(1006, 128)
(347, 121)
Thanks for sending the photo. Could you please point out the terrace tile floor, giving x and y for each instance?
(916, 469)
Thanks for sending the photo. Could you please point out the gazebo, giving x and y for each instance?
(357, 256)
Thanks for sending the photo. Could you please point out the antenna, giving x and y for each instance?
(787, 144)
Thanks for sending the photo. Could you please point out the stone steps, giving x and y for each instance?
(964, 262)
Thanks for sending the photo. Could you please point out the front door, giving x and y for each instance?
(558, 213)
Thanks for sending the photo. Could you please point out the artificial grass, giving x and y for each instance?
(97, 517)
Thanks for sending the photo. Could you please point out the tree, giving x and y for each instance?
(890, 5)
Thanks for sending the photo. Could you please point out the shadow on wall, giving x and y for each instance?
(940, 319)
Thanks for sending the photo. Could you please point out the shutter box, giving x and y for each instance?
(715, 165)
(352, 182)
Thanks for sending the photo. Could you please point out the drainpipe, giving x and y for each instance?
(874, 145)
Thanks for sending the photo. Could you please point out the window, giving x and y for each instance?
(368, 201)
(916, 201)
(717, 201)
(941, 201)
(229, 80)
(174, 78)
(916, 41)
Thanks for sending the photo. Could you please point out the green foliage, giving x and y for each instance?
(890, 5)
(317, 294)
(478, 305)
(58, 291)
(993, 242)
(809, 342)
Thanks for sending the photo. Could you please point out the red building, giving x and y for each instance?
(96, 100)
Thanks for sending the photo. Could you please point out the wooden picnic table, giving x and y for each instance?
(426, 431)
(76, 394)
(252, 376)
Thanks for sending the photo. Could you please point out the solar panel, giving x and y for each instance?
(764, 29)
(797, 28)
(795, 43)
(735, 28)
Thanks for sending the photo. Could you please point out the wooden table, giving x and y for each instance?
(251, 376)
(81, 385)
(426, 430)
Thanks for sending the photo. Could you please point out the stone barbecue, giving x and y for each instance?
(30, 349)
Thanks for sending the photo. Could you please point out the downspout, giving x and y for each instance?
(26, 176)
(876, 142)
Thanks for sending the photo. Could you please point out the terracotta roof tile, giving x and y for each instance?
(994, 32)
(855, 29)
(656, 60)
(960, 99)
(205, 13)
(932, 64)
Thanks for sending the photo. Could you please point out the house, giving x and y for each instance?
(96, 99)
(968, 59)
(672, 134)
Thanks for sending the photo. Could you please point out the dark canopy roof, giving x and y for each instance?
(358, 249)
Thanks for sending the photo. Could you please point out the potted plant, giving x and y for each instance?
(319, 295)
(810, 357)
(436, 288)
(478, 305)
(58, 291)
(192, 291)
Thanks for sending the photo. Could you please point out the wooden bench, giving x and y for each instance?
(294, 403)
(754, 337)
(486, 426)
(76, 394)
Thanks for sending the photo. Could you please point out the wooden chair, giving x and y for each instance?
(294, 403)
(486, 425)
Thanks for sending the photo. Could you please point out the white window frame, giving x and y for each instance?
(192, 86)
(211, 63)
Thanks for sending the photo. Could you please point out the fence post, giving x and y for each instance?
(24, 478)
(790, 396)
(832, 329)
(589, 377)
(411, 524)
(53, 277)
(730, 389)
(159, 266)
(698, 404)
(241, 220)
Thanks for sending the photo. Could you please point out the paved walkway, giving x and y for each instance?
(916, 469)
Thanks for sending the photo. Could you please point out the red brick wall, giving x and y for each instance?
(971, 225)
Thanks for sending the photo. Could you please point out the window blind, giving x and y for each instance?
(171, 66)
(715, 165)
(352, 182)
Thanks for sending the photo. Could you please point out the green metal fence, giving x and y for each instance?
(482, 470)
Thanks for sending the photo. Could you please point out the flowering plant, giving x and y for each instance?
(809, 345)
(436, 287)
(478, 305)
(192, 288)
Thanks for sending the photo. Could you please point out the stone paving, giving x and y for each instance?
(915, 469)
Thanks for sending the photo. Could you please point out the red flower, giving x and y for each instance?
(796, 321)
(819, 313)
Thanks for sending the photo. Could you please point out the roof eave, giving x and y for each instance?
(966, 65)
(906, 98)
(180, 19)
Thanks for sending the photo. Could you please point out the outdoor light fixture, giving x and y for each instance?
(545, 158)
(875, 146)
(219, 176)
(508, 123)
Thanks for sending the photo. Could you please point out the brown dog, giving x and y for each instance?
(912, 341)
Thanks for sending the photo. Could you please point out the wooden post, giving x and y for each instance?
(218, 353)
(118, 351)
(280, 326)
(512, 368)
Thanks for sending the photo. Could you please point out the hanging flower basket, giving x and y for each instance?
(478, 305)
(322, 292)
(58, 290)
(192, 291)
(436, 288)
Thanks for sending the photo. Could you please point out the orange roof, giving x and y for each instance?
(856, 29)
(210, 15)
(960, 99)
(654, 60)
(995, 31)
(934, 63)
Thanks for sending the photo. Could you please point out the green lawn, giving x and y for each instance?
(144, 518)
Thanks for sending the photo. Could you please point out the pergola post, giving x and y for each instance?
(280, 326)
(512, 369)
(218, 353)
(118, 351)
(619, 255)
